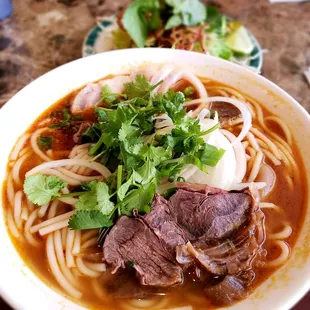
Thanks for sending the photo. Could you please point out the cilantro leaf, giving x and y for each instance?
(139, 199)
(107, 95)
(139, 88)
(41, 189)
(96, 198)
(83, 219)
(45, 142)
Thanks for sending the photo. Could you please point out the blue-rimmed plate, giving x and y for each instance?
(100, 39)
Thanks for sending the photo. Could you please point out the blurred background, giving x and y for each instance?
(43, 34)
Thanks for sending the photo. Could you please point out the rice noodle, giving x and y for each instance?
(51, 228)
(71, 162)
(11, 224)
(16, 168)
(271, 145)
(85, 270)
(256, 166)
(28, 234)
(76, 149)
(18, 209)
(53, 209)
(61, 259)
(51, 221)
(19, 145)
(282, 258)
(10, 190)
(42, 210)
(51, 257)
(69, 245)
(283, 126)
(34, 144)
(77, 243)
(283, 234)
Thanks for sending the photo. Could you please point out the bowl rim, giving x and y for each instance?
(304, 286)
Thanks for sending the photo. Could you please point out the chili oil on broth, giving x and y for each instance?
(289, 211)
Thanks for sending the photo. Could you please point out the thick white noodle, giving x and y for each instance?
(51, 221)
(53, 209)
(57, 173)
(86, 270)
(283, 234)
(71, 162)
(28, 235)
(43, 210)
(256, 166)
(18, 146)
(11, 224)
(78, 175)
(89, 243)
(77, 243)
(78, 148)
(69, 257)
(282, 258)
(271, 145)
(51, 228)
(18, 209)
(89, 234)
(16, 168)
(10, 190)
(61, 259)
(100, 267)
(52, 260)
(34, 144)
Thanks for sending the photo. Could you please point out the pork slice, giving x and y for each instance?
(131, 240)
(86, 98)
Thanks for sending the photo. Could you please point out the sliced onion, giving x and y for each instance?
(240, 186)
(178, 74)
(239, 154)
(245, 112)
(161, 75)
(203, 113)
(266, 174)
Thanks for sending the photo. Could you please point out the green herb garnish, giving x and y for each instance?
(119, 141)
(45, 142)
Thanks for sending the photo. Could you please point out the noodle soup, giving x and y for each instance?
(258, 155)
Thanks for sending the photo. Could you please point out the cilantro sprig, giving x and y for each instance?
(118, 141)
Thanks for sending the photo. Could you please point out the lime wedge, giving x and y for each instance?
(239, 41)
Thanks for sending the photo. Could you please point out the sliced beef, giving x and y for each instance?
(227, 291)
(211, 216)
(131, 240)
(226, 111)
(77, 137)
(202, 226)
(164, 224)
(124, 284)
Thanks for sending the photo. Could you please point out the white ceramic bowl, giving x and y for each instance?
(23, 290)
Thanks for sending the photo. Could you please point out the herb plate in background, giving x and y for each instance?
(100, 39)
